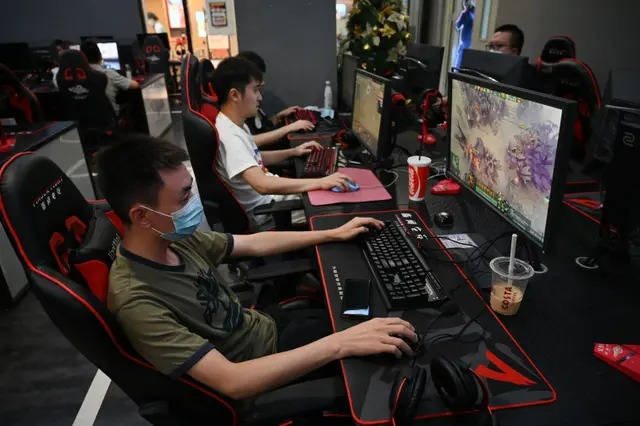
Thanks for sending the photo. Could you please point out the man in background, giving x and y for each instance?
(115, 81)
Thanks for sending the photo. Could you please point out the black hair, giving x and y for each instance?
(128, 170)
(234, 73)
(91, 51)
(151, 15)
(517, 36)
(255, 58)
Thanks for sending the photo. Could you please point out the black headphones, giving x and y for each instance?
(458, 386)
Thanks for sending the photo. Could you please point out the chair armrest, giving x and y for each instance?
(298, 399)
(278, 269)
(277, 207)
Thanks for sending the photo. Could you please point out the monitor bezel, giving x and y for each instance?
(518, 71)
(348, 57)
(561, 165)
(384, 132)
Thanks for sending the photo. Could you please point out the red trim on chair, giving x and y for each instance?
(215, 171)
(294, 298)
(87, 305)
(34, 98)
(593, 79)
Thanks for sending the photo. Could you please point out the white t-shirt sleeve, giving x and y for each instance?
(236, 155)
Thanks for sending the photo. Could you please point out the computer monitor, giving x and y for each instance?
(164, 38)
(97, 38)
(74, 47)
(16, 56)
(110, 57)
(421, 67)
(348, 79)
(507, 69)
(372, 113)
(43, 57)
(621, 94)
(510, 148)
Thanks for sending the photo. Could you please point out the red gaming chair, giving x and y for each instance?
(16, 100)
(39, 206)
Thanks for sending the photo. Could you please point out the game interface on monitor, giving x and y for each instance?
(504, 149)
(367, 110)
(110, 57)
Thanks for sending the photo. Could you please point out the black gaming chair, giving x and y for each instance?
(555, 49)
(573, 79)
(156, 54)
(82, 91)
(16, 100)
(201, 137)
(36, 202)
(205, 79)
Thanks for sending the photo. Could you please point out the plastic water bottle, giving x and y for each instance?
(328, 96)
(127, 71)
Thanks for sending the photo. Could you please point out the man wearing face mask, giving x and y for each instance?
(178, 312)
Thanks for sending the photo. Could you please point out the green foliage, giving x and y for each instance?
(378, 33)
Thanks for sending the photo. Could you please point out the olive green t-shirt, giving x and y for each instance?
(174, 315)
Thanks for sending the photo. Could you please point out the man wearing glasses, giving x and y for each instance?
(507, 39)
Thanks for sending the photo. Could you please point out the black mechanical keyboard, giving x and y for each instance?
(404, 279)
(321, 162)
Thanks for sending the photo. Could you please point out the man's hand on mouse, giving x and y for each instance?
(306, 148)
(376, 336)
(355, 227)
(336, 179)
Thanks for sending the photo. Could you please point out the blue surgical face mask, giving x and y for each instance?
(185, 221)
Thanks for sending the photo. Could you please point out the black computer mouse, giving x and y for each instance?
(443, 219)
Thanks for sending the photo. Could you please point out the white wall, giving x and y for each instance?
(607, 32)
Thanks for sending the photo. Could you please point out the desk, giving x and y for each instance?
(563, 314)
(13, 281)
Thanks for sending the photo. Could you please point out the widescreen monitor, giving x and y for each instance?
(510, 148)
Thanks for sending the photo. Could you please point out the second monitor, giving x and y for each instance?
(372, 113)
(110, 57)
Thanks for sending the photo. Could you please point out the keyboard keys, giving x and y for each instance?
(403, 278)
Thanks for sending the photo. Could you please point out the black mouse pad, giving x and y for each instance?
(474, 334)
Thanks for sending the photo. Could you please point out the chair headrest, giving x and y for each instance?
(156, 54)
(558, 48)
(574, 78)
(36, 201)
(205, 77)
(190, 89)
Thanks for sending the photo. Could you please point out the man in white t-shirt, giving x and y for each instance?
(244, 168)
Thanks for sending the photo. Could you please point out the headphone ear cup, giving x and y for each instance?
(447, 381)
(419, 381)
(405, 396)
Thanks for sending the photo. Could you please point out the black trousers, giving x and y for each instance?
(299, 327)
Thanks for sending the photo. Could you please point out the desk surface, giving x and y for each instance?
(41, 134)
(563, 315)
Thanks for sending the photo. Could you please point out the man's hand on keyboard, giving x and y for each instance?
(306, 148)
(301, 125)
(376, 336)
(336, 179)
(288, 111)
(355, 227)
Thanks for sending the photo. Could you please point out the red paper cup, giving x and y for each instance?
(418, 174)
